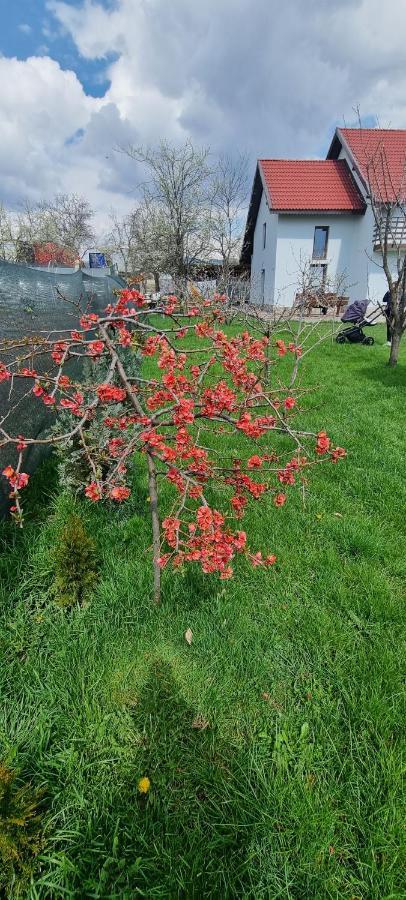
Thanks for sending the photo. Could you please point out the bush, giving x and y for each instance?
(20, 832)
(76, 564)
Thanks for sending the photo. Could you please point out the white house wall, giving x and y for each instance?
(367, 264)
(295, 246)
(264, 258)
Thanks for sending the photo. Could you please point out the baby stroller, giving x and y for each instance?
(354, 316)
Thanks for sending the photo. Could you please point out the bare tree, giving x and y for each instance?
(139, 241)
(120, 242)
(230, 192)
(7, 234)
(65, 220)
(175, 208)
(387, 195)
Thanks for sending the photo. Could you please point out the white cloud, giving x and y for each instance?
(266, 77)
(42, 109)
(25, 28)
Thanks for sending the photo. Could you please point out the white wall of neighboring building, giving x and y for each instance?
(295, 247)
(365, 259)
(264, 258)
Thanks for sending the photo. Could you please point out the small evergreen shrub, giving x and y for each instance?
(75, 572)
(20, 832)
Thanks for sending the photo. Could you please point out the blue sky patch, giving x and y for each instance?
(29, 29)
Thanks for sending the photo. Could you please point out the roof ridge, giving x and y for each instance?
(282, 159)
(361, 130)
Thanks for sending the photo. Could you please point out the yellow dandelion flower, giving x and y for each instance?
(144, 785)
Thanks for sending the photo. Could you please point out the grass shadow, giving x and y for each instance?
(15, 542)
(189, 836)
(385, 375)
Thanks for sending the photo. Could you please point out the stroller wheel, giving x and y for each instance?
(368, 341)
(340, 339)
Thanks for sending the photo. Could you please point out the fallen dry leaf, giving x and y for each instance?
(338, 515)
(189, 636)
(200, 722)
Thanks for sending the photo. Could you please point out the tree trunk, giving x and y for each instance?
(156, 279)
(394, 349)
(152, 482)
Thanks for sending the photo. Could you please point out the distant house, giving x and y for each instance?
(319, 210)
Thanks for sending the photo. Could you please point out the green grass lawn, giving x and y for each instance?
(294, 788)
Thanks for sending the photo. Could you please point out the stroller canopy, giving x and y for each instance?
(355, 312)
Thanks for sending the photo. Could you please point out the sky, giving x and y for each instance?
(80, 79)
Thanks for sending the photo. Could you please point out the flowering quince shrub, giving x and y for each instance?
(196, 381)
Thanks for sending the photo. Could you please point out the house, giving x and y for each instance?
(319, 212)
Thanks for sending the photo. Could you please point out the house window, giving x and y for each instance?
(320, 242)
(318, 277)
(264, 235)
(263, 285)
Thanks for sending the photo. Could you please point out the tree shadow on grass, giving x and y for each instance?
(189, 835)
(385, 375)
(196, 820)
(194, 587)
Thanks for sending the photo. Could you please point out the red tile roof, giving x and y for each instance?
(381, 157)
(311, 185)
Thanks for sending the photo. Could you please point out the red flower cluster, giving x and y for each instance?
(58, 351)
(337, 454)
(4, 372)
(170, 303)
(93, 491)
(95, 349)
(255, 427)
(184, 414)
(17, 480)
(323, 443)
(108, 393)
(218, 399)
(87, 322)
(119, 493)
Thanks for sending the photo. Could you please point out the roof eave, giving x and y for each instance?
(258, 187)
(339, 137)
(321, 212)
(335, 146)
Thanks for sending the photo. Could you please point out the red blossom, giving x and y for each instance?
(87, 321)
(286, 476)
(18, 480)
(119, 493)
(95, 349)
(255, 462)
(183, 414)
(114, 446)
(108, 393)
(4, 373)
(337, 454)
(280, 499)
(48, 399)
(323, 443)
(93, 491)
(281, 348)
(58, 351)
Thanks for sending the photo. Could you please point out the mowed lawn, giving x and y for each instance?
(293, 786)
